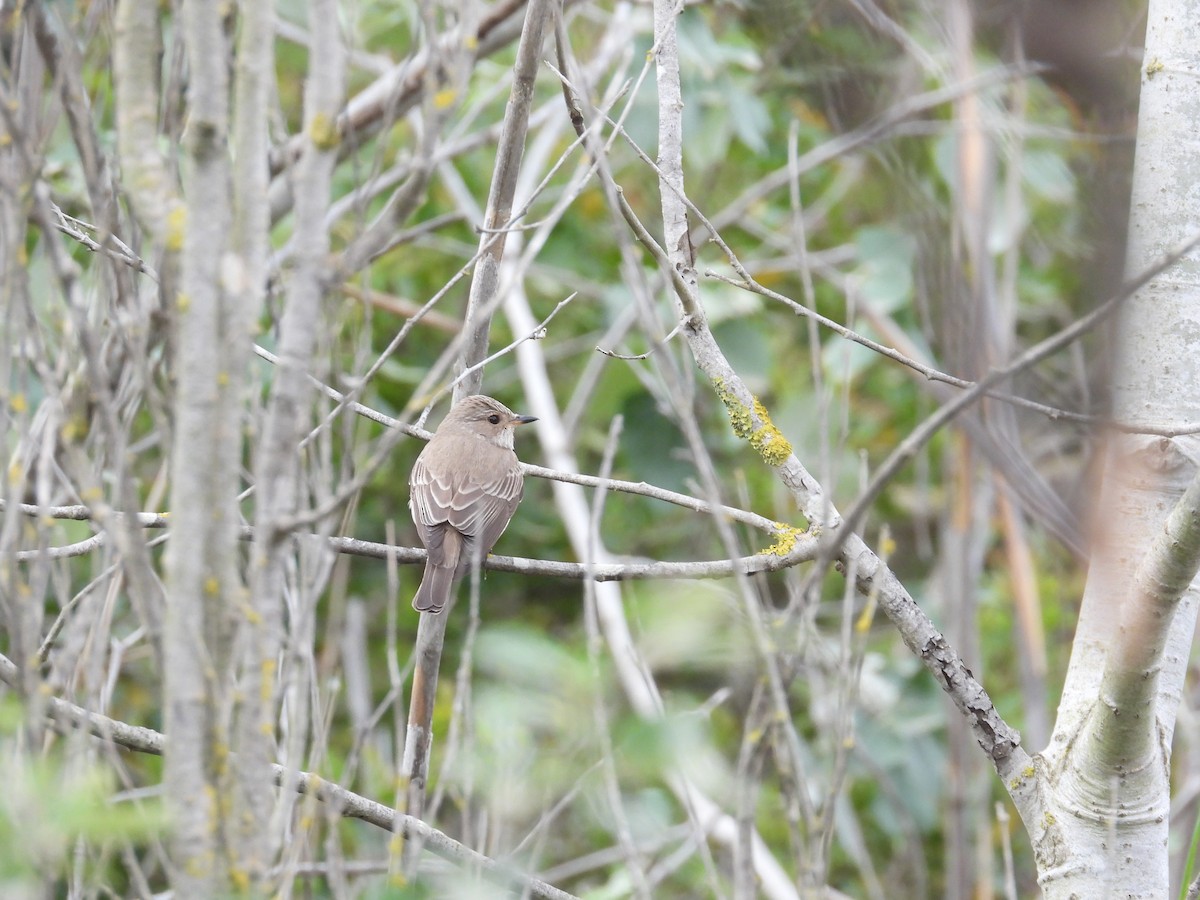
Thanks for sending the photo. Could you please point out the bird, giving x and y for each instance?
(463, 491)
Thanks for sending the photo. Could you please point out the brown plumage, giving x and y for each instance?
(464, 489)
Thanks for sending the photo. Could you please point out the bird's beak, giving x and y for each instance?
(525, 420)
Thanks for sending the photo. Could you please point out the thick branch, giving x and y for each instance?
(751, 421)
(1124, 721)
(202, 575)
(148, 180)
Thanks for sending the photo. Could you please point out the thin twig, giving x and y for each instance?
(793, 547)
(666, 340)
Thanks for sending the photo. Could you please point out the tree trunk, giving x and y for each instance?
(1102, 828)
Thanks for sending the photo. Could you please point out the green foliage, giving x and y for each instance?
(59, 809)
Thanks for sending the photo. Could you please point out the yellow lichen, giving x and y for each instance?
(323, 132)
(268, 679)
(17, 403)
(199, 866)
(396, 844)
(785, 541)
(754, 425)
(768, 440)
(1153, 67)
(445, 98)
(1027, 772)
(75, 429)
(176, 227)
(862, 625)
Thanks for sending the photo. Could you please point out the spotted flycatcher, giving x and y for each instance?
(464, 489)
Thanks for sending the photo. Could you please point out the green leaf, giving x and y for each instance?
(1048, 175)
(884, 272)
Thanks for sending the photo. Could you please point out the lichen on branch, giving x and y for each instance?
(754, 424)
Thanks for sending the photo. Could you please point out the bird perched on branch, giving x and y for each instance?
(464, 489)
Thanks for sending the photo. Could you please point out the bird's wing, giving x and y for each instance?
(476, 500)
(483, 508)
(429, 500)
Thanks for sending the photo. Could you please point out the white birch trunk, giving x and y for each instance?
(1101, 824)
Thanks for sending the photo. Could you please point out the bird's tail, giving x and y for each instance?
(434, 592)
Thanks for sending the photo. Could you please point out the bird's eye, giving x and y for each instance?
(494, 419)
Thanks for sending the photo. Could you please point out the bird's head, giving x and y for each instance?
(486, 417)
